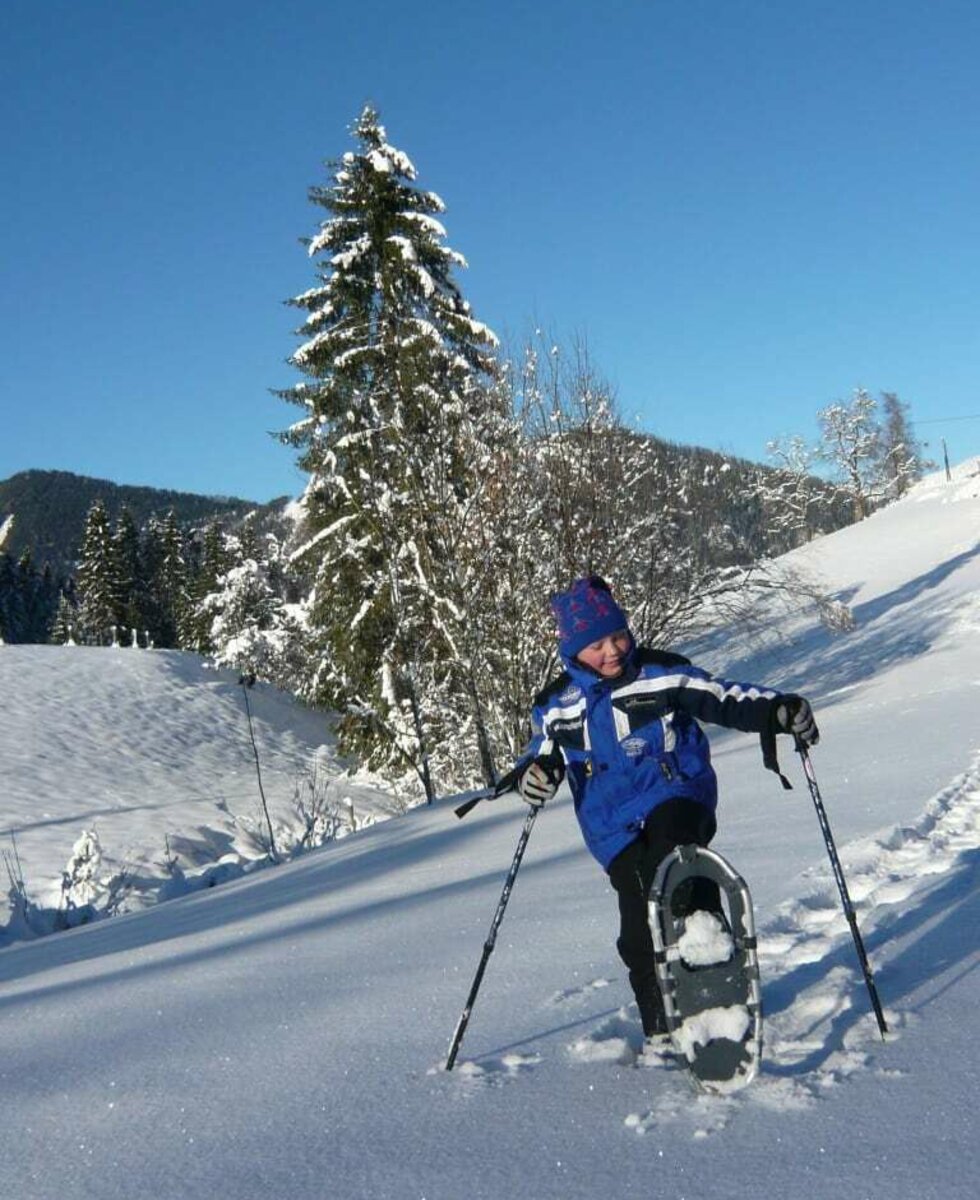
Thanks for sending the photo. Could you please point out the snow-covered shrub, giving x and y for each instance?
(26, 920)
(80, 879)
(836, 616)
(321, 811)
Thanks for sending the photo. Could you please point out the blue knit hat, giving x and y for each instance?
(586, 613)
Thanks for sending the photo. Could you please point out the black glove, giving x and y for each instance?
(794, 715)
(540, 780)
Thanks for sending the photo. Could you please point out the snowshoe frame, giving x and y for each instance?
(720, 1064)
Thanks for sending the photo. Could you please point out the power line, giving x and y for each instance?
(943, 420)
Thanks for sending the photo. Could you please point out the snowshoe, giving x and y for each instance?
(707, 967)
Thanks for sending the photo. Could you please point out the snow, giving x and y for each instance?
(429, 223)
(344, 259)
(145, 746)
(479, 330)
(403, 246)
(283, 1035)
(309, 348)
(731, 1023)
(704, 941)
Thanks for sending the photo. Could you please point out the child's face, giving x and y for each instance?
(607, 656)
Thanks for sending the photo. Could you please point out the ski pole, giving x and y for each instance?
(841, 885)
(498, 916)
(247, 681)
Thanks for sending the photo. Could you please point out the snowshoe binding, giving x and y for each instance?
(707, 967)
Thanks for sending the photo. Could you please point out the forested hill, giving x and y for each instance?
(50, 507)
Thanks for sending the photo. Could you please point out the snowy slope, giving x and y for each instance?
(152, 751)
(281, 1036)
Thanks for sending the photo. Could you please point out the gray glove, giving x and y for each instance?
(540, 781)
(794, 715)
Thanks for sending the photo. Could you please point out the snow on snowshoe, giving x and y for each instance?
(707, 967)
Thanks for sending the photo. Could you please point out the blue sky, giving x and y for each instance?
(747, 207)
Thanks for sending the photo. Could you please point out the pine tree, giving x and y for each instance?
(96, 582)
(248, 626)
(7, 583)
(153, 617)
(215, 559)
(248, 540)
(170, 583)
(397, 407)
(11, 615)
(129, 584)
(65, 622)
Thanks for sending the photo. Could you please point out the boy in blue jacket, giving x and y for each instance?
(622, 723)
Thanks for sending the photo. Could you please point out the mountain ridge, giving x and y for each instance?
(50, 507)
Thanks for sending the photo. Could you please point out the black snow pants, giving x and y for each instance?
(674, 823)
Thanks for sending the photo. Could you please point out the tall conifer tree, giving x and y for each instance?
(397, 407)
(171, 583)
(96, 581)
(214, 561)
(129, 584)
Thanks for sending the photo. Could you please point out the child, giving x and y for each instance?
(622, 722)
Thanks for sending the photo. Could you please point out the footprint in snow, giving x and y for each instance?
(818, 1025)
(492, 1072)
(818, 1030)
(586, 990)
(617, 1039)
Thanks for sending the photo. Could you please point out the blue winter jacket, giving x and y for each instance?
(632, 742)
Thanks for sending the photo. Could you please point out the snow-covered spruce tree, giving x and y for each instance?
(128, 582)
(215, 560)
(151, 559)
(80, 878)
(250, 628)
(95, 579)
(65, 624)
(169, 584)
(6, 578)
(11, 614)
(40, 591)
(399, 414)
(244, 620)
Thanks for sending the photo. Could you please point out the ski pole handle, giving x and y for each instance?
(470, 804)
(491, 793)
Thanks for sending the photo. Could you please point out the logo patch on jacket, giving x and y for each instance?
(634, 746)
(570, 694)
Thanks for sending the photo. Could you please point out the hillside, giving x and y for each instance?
(50, 507)
(161, 767)
(282, 1035)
